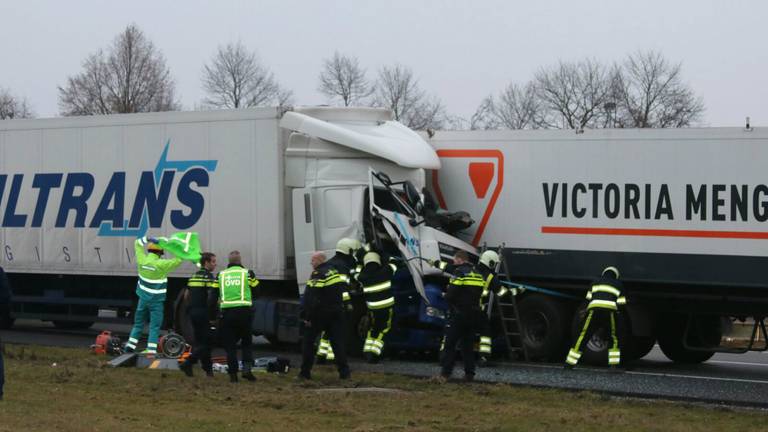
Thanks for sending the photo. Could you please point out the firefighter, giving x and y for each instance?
(463, 296)
(235, 289)
(489, 260)
(604, 299)
(323, 308)
(151, 289)
(376, 281)
(198, 290)
(345, 262)
(5, 313)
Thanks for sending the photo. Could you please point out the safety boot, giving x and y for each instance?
(248, 376)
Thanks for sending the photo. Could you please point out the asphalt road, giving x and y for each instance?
(727, 379)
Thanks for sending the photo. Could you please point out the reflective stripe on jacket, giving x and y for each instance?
(234, 285)
(605, 294)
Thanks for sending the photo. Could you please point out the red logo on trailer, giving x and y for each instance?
(481, 174)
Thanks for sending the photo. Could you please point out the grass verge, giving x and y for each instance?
(81, 393)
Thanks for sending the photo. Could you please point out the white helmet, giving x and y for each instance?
(371, 257)
(490, 259)
(611, 269)
(347, 246)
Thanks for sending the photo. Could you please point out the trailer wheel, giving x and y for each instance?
(705, 332)
(595, 351)
(183, 325)
(544, 324)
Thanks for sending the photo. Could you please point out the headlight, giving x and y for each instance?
(435, 312)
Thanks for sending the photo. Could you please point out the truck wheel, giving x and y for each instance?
(595, 351)
(73, 325)
(183, 325)
(705, 332)
(544, 324)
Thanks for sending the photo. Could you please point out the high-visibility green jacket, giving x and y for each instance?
(153, 273)
(235, 284)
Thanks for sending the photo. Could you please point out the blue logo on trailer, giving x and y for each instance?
(163, 165)
(148, 210)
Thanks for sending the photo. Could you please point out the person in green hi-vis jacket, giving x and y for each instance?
(151, 288)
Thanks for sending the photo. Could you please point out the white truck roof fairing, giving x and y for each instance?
(386, 139)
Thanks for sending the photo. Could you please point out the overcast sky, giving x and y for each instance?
(461, 51)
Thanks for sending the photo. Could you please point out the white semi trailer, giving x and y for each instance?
(682, 213)
(276, 185)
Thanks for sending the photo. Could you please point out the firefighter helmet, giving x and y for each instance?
(347, 246)
(613, 270)
(490, 259)
(372, 257)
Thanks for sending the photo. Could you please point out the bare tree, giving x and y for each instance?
(649, 92)
(573, 94)
(342, 78)
(516, 107)
(131, 76)
(398, 90)
(12, 107)
(236, 78)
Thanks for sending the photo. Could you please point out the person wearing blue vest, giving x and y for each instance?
(150, 288)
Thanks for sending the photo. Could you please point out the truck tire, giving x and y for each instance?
(182, 323)
(544, 322)
(595, 352)
(705, 331)
(73, 325)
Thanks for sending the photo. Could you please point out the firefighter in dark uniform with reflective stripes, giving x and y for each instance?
(604, 299)
(344, 262)
(463, 296)
(323, 308)
(376, 281)
(198, 291)
(487, 268)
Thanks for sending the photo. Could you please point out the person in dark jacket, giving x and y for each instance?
(463, 296)
(376, 281)
(199, 289)
(604, 298)
(342, 262)
(323, 308)
(5, 313)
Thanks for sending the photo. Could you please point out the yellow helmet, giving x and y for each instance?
(612, 269)
(371, 257)
(347, 246)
